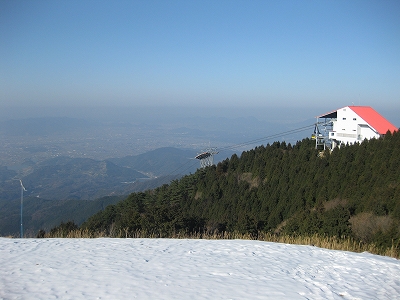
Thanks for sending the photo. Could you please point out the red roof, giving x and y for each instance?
(374, 119)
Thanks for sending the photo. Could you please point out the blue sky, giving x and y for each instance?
(212, 53)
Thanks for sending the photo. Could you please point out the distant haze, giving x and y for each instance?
(108, 79)
(273, 114)
(104, 132)
(285, 54)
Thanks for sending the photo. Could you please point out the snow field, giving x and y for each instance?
(189, 269)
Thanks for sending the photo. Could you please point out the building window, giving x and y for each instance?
(344, 118)
(354, 119)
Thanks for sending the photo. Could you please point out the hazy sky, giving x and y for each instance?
(213, 53)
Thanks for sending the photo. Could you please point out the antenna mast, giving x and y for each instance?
(22, 204)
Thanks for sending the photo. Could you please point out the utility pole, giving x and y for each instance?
(22, 204)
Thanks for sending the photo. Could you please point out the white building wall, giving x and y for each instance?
(350, 128)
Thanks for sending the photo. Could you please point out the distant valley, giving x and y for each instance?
(128, 133)
(65, 188)
(64, 178)
(68, 165)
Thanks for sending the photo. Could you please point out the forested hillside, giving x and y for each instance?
(279, 188)
(45, 214)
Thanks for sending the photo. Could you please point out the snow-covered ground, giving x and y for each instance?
(189, 269)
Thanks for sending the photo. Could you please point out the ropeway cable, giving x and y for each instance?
(304, 128)
(170, 174)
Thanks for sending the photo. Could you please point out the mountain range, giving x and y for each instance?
(65, 188)
(66, 178)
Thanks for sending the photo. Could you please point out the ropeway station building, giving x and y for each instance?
(349, 125)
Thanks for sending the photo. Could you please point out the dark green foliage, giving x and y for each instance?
(333, 222)
(41, 234)
(272, 188)
(390, 238)
(61, 230)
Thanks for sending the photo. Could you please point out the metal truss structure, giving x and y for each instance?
(321, 134)
(207, 157)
